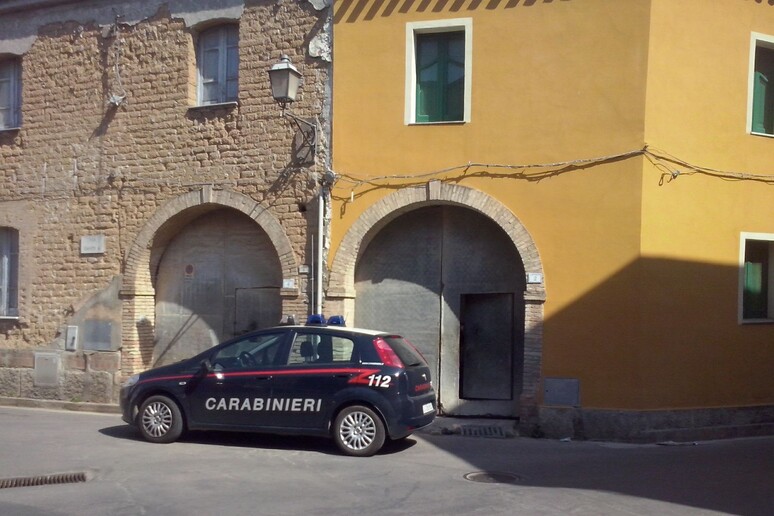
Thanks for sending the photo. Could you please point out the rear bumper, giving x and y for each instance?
(417, 412)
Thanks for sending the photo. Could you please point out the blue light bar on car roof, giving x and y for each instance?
(336, 320)
(315, 319)
(319, 319)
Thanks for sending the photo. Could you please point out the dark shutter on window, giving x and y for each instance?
(756, 280)
(763, 91)
(440, 72)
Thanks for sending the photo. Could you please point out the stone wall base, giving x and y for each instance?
(655, 425)
(77, 377)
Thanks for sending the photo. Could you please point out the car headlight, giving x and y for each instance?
(131, 380)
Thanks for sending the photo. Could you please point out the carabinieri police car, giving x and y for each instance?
(360, 387)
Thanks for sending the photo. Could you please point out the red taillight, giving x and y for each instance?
(386, 353)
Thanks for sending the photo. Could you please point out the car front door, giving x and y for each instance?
(236, 390)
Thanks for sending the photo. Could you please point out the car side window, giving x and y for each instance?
(250, 352)
(312, 348)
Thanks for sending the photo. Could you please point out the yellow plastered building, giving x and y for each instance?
(567, 206)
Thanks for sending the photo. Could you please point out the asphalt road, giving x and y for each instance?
(252, 474)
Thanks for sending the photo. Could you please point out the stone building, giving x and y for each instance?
(151, 199)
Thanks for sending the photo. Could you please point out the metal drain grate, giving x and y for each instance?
(483, 431)
(43, 480)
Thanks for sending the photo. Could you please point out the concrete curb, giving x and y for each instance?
(100, 408)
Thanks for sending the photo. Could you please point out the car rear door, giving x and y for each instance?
(320, 365)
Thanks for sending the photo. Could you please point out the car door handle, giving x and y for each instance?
(343, 375)
(262, 378)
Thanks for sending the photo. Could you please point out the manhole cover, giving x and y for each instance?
(492, 477)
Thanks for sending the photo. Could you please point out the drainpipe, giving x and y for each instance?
(319, 252)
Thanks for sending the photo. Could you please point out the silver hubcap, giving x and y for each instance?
(357, 430)
(157, 419)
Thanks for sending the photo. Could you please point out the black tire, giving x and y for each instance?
(160, 420)
(358, 431)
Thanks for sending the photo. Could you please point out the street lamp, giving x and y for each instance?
(285, 80)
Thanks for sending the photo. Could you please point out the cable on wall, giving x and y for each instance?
(670, 166)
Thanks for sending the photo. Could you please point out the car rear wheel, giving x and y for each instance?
(160, 420)
(358, 431)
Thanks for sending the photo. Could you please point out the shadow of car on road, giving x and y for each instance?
(255, 440)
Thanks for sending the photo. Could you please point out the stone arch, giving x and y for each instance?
(341, 288)
(137, 288)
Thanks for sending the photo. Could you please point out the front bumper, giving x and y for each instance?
(127, 410)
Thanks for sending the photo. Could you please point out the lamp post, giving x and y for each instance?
(285, 80)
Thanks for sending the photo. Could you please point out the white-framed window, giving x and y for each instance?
(10, 94)
(760, 111)
(217, 63)
(439, 68)
(9, 272)
(756, 277)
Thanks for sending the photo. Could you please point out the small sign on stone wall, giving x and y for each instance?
(93, 244)
(97, 335)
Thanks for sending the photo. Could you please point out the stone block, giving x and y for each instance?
(10, 383)
(17, 358)
(74, 361)
(28, 389)
(92, 387)
(104, 361)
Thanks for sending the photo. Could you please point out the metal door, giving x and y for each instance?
(486, 347)
(218, 277)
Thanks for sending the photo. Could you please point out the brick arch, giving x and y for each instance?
(137, 288)
(341, 287)
(342, 276)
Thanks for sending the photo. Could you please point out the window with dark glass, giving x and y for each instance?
(250, 352)
(440, 76)
(763, 91)
(757, 275)
(9, 272)
(10, 94)
(218, 65)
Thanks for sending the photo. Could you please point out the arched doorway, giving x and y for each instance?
(218, 277)
(138, 286)
(450, 280)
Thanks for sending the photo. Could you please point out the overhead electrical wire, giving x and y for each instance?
(670, 166)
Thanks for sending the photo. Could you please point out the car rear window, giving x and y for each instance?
(405, 351)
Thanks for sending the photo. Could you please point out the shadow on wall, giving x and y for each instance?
(657, 334)
(661, 334)
(352, 11)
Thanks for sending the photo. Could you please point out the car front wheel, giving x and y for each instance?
(160, 420)
(358, 431)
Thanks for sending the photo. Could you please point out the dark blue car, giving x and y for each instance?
(360, 387)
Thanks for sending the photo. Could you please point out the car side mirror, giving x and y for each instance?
(206, 366)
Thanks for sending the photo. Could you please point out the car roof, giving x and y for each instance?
(343, 329)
